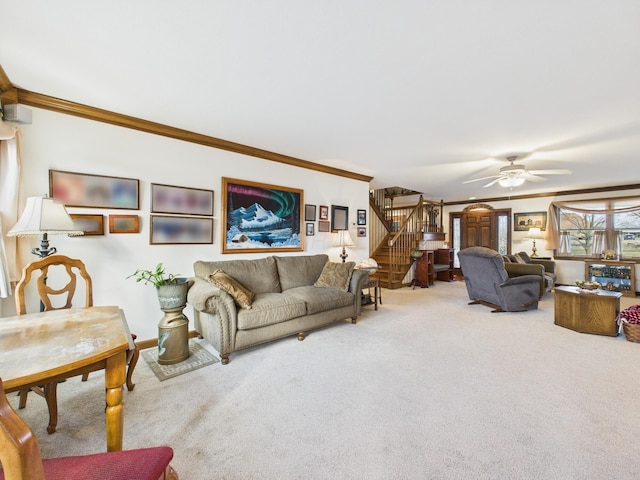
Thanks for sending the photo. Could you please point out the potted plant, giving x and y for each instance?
(171, 289)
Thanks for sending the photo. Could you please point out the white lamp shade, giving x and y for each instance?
(343, 239)
(535, 232)
(43, 215)
(510, 182)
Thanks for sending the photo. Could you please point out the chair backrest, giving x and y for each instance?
(47, 293)
(19, 450)
(482, 269)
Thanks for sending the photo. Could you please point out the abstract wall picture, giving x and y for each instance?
(95, 191)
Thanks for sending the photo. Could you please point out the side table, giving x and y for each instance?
(587, 312)
(374, 283)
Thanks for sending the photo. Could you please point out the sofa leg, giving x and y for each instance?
(301, 336)
(354, 319)
(224, 359)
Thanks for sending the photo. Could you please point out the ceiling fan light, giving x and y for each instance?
(511, 182)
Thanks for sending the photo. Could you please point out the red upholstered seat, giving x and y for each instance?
(20, 457)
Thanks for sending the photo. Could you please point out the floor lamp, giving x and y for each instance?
(43, 216)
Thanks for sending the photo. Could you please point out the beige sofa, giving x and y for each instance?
(285, 300)
(522, 264)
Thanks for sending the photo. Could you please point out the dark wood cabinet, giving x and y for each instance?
(443, 264)
(424, 274)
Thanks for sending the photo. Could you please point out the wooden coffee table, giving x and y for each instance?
(587, 312)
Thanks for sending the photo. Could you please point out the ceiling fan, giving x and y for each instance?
(514, 175)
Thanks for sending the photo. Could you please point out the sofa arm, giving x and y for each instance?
(549, 265)
(215, 316)
(519, 269)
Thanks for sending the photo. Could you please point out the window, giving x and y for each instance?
(590, 228)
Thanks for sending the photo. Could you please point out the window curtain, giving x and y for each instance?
(598, 242)
(552, 235)
(10, 137)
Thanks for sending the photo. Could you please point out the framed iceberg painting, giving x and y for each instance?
(258, 217)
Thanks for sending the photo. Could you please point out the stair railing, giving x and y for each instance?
(405, 239)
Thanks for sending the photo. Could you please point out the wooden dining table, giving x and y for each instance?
(45, 347)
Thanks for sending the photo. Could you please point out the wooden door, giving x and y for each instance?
(479, 229)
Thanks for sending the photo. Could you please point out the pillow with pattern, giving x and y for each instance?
(518, 258)
(241, 294)
(336, 275)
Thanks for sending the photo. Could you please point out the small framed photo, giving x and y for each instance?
(362, 231)
(324, 212)
(174, 230)
(324, 226)
(124, 224)
(339, 217)
(89, 224)
(309, 213)
(362, 217)
(311, 230)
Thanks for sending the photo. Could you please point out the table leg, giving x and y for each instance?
(114, 386)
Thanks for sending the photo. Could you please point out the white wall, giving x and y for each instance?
(568, 270)
(62, 142)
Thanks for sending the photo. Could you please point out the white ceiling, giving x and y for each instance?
(421, 94)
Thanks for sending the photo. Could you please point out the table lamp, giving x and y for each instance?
(535, 233)
(43, 216)
(343, 239)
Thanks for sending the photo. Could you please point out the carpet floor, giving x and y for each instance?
(427, 387)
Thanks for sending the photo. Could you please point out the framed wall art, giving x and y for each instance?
(124, 224)
(362, 217)
(311, 229)
(309, 213)
(339, 218)
(259, 217)
(172, 230)
(181, 200)
(89, 224)
(324, 226)
(362, 231)
(324, 213)
(94, 191)
(522, 222)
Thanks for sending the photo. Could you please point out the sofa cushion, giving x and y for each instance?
(321, 299)
(519, 259)
(242, 295)
(336, 275)
(269, 309)
(259, 275)
(299, 270)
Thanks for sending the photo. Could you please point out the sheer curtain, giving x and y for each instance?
(9, 186)
(598, 242)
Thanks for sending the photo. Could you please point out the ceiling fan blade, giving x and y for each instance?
(551, 172)
(500, 177)
(534, 178)
(483, 178)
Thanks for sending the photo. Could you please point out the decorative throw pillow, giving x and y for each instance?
(518, 258)
(336, 275)
(233, 287)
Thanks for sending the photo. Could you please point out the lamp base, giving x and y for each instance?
(344, 255)
(534, 251)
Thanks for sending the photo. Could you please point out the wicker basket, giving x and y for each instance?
(631, 331)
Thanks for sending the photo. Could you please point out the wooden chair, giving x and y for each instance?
(47, 296)
(21, 460)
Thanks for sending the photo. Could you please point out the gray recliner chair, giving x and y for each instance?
(489, 284)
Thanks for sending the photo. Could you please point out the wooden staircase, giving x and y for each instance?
(392, 272)
(404, 227)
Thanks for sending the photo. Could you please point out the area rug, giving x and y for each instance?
(198, 357)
